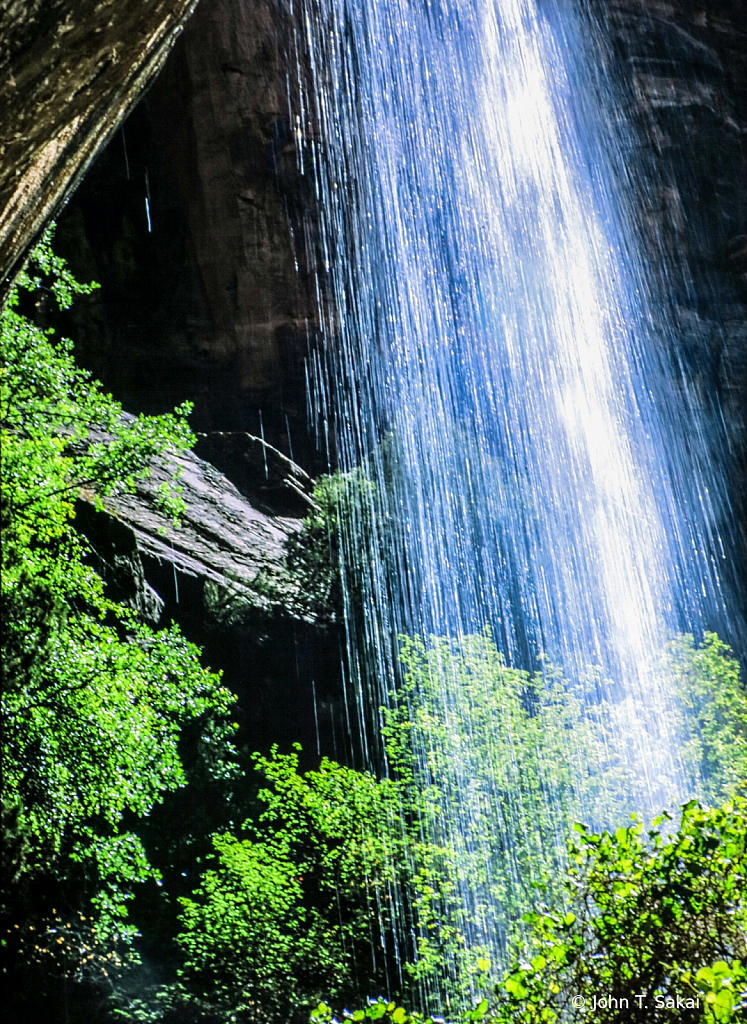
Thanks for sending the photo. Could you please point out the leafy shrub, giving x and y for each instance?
(302, 903)
(491, 762)
(362, 864)
(711, 708)
(654, 925)
(655, 921)
(480, 753)
(93, 701)
(317, 560)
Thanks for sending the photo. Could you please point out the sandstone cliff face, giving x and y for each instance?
(69, 72)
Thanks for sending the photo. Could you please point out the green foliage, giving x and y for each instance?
(91, 732)
(300, 904)
(316, 559)
(712, 710)
(385, 1010)
(61, 432)
(46, 271)
(388, 1012)
(654, 925)
(491, 761)
(245, 938)
(510, 785)
(650, 917)
(353, 863)
(93, 702)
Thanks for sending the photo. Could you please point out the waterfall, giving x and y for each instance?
(532, 483)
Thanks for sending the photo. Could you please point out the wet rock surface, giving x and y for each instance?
(222, 538)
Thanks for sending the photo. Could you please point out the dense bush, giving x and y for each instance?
(492, 763)
(362, 864)
(710, 708)
(655, 922)
(93, 702)
(299, 905)
(653, 927)
(317, 559)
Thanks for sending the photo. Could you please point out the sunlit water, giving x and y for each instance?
(495, 361)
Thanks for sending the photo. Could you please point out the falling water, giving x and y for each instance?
(496, 364)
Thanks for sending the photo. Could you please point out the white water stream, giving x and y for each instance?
(496, 361)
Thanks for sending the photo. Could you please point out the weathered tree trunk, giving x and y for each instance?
(70, 70)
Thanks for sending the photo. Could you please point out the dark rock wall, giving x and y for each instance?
(184, 218)
(206, 294)
(682, 68)
(216, 302)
